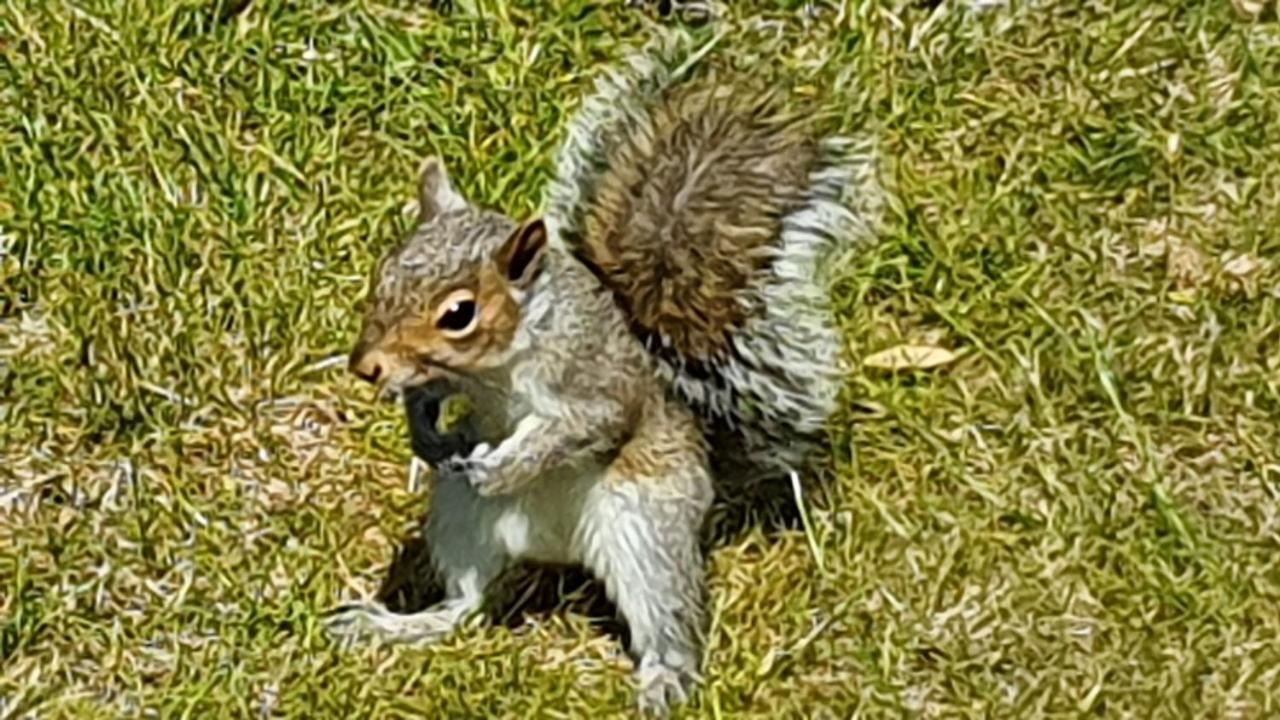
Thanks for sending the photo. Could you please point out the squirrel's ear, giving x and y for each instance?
(435, 194)
(521, 255)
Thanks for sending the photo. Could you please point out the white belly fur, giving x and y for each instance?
(544, 522)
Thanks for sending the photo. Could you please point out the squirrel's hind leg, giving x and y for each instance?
(467, 560)
(641, 537)
(372, 622)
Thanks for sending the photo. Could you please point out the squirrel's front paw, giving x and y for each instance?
(479, 469)
(494, 476)
(488, 470)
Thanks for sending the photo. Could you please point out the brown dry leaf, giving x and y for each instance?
(910, 357)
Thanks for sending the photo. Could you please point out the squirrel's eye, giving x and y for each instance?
(458, 314)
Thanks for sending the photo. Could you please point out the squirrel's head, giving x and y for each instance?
(448, 301)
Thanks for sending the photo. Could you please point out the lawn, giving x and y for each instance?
(1077, 516)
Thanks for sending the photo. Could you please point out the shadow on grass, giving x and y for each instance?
(532, 591)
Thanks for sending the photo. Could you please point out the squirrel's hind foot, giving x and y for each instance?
(662, 685)
(373, 623)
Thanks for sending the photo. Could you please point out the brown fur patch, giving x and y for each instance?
(411, 340)
(665, 446)
(690, 212)
(499, 316)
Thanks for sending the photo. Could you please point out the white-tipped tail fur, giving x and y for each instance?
(621, 102)
(776, 383)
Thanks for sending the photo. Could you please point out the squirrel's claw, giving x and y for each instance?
(661, 688)
(486, 477)
(479, 470)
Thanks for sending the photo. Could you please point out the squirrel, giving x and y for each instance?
(660, 332)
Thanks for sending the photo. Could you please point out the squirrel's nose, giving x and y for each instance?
(367, 364)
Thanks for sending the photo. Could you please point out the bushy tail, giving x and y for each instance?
(717, 215)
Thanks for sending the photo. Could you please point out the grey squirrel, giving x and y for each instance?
(666, 316)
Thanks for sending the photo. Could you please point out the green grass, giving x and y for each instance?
(1079, 517)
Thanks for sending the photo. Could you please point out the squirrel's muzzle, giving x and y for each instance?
(386, 368)
(368, 363)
